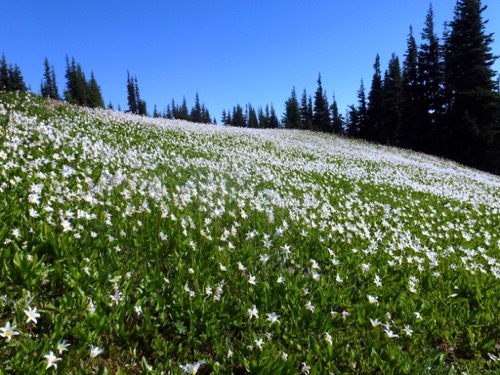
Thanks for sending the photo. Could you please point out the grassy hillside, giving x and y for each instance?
(136, 245)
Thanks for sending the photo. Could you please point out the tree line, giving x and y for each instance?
(442, 99)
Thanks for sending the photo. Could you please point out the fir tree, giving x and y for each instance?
(337, 120)
(94, 96)
(430, 78)
(473, 126)
(375, 105)
(46, 86)
(4, 75)
(196, 115)
(131, 95)
(238, 119)
(16, 80)
(306, 114)
(273, 119)
(410, 115)
(321, 115)
(292, 115)
(392, 103)
(253, 121)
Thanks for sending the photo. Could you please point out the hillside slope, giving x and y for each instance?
(187, 248)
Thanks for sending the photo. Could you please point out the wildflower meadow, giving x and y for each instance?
(132, 245)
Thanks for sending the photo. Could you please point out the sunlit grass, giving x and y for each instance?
(137, 245)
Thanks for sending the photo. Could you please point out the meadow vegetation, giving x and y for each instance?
(138, 245)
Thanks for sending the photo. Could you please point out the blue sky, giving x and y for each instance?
(229, 51)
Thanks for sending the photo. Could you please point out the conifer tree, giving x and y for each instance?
(362, 112)
(292, 115)
(274, 123)
(321, 115)
(253, 121)
(410, 115)
(131, 95)
(472, 123)
(94, 96)
(76, 85)
(430, 77)
(16, 79)
(238, 119)
(392, 103)
(306, 114)
(353, 122)
(196, 115)
(337, 120)
(4, 74)
(375, 105)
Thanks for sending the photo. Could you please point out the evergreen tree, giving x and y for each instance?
(156, 114)
(362, 113)
(76, 85)
(4, 75)
(94, 96)
(392, 103)
(229, 119)
(337, 120)
(183, 112)
(238, 119)
(263, 120)
(196, 115)
(135, 104)
(306, 114)
(292, 116)
(273, 119)
(353, 128)
(11, 78)
(16, 80)
(472, 123)
(49, 88)
(253, 121)
(375, 105)
(430, 77)
(143, 111)
(321, 115)
(410, 115)
(131, 95)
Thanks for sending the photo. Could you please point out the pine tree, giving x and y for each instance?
(4, 75)
(472, 123)
(375, 105)
(16, 80)
(252, 119)
(362, 112)
(131, 97)
(196, 115)
(430, 77)
(306, 115)
(142, 108)
(262, 119)
(337, 120)
(94, 96)
(183, 113)
(410, 115)
(223, 117)
(392, 103)
(76, 85)
(273, 119)
(48, 88)
(292, 115)
(352, 122)
(238, 117)
(321, 115)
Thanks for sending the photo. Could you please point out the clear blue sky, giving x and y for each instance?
(229, 51)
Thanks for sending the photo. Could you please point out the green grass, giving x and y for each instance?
(175, 231)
